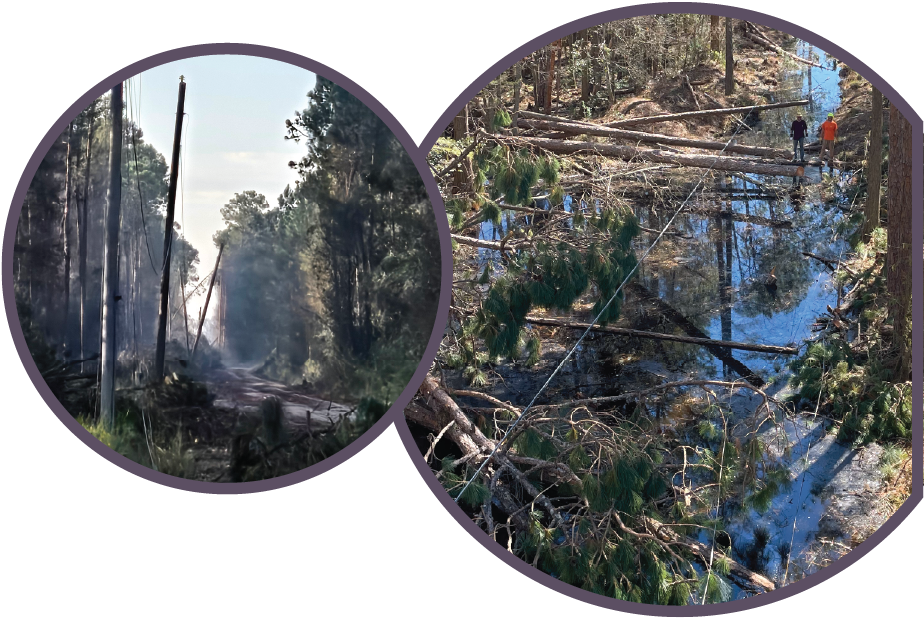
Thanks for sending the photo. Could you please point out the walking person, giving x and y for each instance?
(797, 132)
(828, 133)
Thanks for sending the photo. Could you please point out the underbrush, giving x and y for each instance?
(131, 441)
(266, 451)
(848, 374)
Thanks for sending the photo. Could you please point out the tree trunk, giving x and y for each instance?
(516, 96)
(83, 222)
(570, 324)
(551, 81)
(460, 124)
(729, 59)
(585, 68)
(734, 164)
(65, 220)
(898, 278)
(701, 113)
(692, 330)
(746, 218)
(874, 167)
(638, 136)
(779, 50)
(715, 33)
(737, 572)
(111, 264)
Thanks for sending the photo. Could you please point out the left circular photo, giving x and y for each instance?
(221, 271)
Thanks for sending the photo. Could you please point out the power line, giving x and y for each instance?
(144, 225)
(522, 416)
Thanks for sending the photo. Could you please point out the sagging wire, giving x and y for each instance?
(561, 364)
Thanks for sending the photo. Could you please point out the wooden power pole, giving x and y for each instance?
(208, 296)
(163, 313)
(111, 263)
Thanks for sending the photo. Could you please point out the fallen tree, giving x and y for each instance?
(639, 136)
(723, 354)
(764, 42)
(570, 324)
(734, 164)
(510, 482)
(737, 572)
(481, 243)
(703, 113)
(750, 219)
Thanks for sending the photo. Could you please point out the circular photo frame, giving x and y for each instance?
(335, 320)
(522, 268)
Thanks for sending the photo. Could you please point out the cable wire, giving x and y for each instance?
(561, 364)
(144, 224)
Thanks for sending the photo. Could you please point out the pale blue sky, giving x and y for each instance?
(233, 140)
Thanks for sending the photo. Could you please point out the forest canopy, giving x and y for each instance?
(323, 296)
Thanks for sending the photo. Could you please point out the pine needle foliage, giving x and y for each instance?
(549, 273)
(859, 392)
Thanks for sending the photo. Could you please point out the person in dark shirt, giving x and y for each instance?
(797, 133)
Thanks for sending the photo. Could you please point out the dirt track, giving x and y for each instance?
(239, 389)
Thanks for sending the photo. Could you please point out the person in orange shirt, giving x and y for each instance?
(828, 133)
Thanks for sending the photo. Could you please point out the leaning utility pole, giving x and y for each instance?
(163, 315)
(111, 263)
(208, 296)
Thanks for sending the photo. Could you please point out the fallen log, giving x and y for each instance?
(684, 323)
(639, 136)
(452, 164)
(481, 243)
(440, 420)
(716, 162)
(779, 50)
(739, 195)
(568, 324)
(737, 572)
(634, 396)
(831, 263)
(748, 219)
(554, 119)
(699, 114)
(692, 92)
(435, 411)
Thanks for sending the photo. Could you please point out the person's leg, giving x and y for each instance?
(795, 146)
(802, 149)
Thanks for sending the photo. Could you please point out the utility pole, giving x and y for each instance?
(111, 263)
(205, 310)
(163, 315)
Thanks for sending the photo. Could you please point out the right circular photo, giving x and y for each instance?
(677, 369)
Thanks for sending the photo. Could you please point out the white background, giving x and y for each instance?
(82, 537)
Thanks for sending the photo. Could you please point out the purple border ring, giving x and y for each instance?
(917, 334)
(395, 412)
